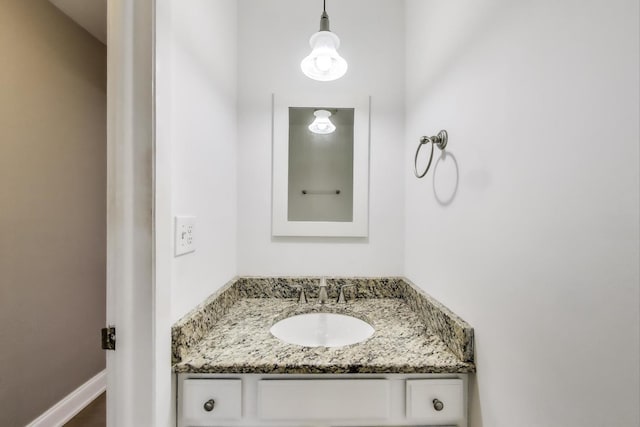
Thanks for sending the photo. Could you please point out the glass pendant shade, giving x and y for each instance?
(322, 125)
(324, 63)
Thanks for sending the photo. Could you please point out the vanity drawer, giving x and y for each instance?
(206, 400)
(433, 400)
(323, 399)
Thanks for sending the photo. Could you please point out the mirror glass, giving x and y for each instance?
(320, 165)
(320, 178)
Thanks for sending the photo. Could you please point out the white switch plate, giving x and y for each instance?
(185, 231)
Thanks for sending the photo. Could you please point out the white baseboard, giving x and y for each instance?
(73, 403)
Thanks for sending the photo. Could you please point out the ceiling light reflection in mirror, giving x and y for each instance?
(322, 124)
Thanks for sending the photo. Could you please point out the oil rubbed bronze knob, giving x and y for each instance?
(438, 405)
(209, 405)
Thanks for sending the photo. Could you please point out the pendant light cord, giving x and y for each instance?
(324, 18)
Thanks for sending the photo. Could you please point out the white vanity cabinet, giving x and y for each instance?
(321, 400)
(211, 401)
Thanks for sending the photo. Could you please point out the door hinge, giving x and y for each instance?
(109, 338)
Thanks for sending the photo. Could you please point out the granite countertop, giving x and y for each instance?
(229, 333)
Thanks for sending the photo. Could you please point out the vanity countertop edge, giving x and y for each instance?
(229, 331)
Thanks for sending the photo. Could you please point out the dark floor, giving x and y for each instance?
(94, 415)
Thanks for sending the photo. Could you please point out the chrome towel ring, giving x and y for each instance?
(440, 140)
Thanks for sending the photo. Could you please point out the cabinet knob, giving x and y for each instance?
(438, 405)
(209, 405)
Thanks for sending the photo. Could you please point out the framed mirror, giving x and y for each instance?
(320, 166)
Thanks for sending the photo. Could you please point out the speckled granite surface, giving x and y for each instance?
(229, 332)
(455, 332)
(195, 325)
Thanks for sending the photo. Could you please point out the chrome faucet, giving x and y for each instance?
(302, 299)
(341, 298)
(322, 296)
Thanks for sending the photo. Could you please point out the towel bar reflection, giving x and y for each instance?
(440, 140)
(312, 192)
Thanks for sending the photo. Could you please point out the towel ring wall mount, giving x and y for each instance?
(439, 140)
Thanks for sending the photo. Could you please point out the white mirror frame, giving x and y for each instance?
(281, 226)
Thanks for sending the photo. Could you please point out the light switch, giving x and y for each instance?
(184, 238)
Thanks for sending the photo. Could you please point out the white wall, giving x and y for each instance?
(539, 248)
(272, 40)
(164, 411)
(203, 131)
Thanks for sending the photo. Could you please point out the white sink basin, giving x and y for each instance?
(322, 330)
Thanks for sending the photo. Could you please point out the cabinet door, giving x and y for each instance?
(431, 400)
(205, 401)
(323, 399)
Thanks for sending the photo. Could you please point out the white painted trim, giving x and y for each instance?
(280, 225)
(131, 369)
(74, 402)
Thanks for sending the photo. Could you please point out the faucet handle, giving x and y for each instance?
(303, 298)
(341, 298)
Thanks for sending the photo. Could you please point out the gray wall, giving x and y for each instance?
(52, 207)
(320, 163)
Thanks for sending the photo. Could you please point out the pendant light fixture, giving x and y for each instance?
(324, 63)
(322, 125)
